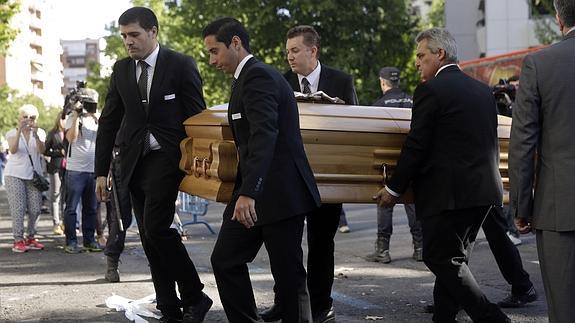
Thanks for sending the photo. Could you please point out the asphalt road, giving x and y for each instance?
(51, 286)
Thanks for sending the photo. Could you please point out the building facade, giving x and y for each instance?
(32, 62)
(492, 27)
(76, 58)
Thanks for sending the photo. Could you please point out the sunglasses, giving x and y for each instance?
(29, 117)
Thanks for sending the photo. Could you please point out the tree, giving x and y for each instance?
(546, 28)
(8, 9)
(12, 101)
(358, 37)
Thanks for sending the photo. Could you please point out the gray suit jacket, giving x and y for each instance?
(542, 144)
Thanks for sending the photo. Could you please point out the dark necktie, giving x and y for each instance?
(234, 80)
(143, 88)
(143, 83)
(305, 83)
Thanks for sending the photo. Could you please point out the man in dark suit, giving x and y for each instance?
(153, 90)
(274, 188)
(541, 162)
(451, 157)
(307, 75)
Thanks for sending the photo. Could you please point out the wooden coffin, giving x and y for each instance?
(351, 150)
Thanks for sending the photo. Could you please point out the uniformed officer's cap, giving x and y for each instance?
(389, 73)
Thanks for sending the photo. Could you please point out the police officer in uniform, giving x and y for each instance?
(394, 97)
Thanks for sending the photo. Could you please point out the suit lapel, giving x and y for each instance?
(159, 74)
(323, 75)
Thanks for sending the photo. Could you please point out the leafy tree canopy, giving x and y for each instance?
(358, 37)
(7, 10)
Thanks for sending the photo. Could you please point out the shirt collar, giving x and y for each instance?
(152, 58)
(313, 77)
(241, 66)
(444, 67)
(570, 30)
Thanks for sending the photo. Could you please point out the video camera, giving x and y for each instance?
(504, 97)
(88, 99)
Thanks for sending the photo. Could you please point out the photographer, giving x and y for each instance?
(26, 145)
(81, 128)
(504, 93)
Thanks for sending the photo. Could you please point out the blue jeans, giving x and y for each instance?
(385, 222)
(80, 186)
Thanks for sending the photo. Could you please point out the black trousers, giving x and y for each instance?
(322, 224)
(237, 246)
(118, 208)
(505, 252)
(448, 240)
(154, 189)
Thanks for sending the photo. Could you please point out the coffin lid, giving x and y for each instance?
(337, 117)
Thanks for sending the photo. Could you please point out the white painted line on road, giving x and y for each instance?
(354, 302)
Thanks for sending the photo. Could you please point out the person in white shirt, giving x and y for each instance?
(81, 129)
(26, 145)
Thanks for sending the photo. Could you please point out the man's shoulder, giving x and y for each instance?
(332, 72)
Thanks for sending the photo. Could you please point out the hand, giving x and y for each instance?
(24, 124)
(102, 193)
(523, 226)
(245, 211)
(384, 199)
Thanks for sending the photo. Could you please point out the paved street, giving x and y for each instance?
(51, 286)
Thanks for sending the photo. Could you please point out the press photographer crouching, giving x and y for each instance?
(81, 128)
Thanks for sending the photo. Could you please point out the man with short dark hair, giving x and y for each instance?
(451, 158)
(541, 162)
(308, 75)
(274, 188)
(152, 92)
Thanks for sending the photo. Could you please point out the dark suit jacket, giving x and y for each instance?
(451, 153)
(273, 168)
(543, 122)
(175, 95)
(332, 82)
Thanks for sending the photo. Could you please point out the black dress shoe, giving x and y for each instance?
(272, 314)
(197, 312)
(325, 316)
(519, 300)
(170, 319)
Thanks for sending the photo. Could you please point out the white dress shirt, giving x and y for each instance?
(151, 61)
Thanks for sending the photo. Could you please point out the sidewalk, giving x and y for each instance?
(51, 286)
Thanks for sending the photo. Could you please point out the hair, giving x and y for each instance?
(390, 83)
(141, 15)
(439, 38)
(224, 29)
(566, 11)
(310, 36)
(513, 78)
(57, 122)
(28, 109)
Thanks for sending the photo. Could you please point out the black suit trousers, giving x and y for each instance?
(448, 240)
(506, 254)
(237, 246)
(154, 189)
(322, 224)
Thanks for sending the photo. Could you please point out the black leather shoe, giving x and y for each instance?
(170, 319)
(325, 316)
(272, 314)
(519, 300)
(197, 312)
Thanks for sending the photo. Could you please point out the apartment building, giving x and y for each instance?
(32, 62)
(76, 58)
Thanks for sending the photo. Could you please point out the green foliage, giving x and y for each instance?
(545, 25)
(7, 10)
(11, 102)
(358, 37)
(436, 16)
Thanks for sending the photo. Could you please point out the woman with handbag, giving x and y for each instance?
(23, 178)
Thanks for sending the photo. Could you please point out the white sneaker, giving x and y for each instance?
(344, 229)
(516, 241)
